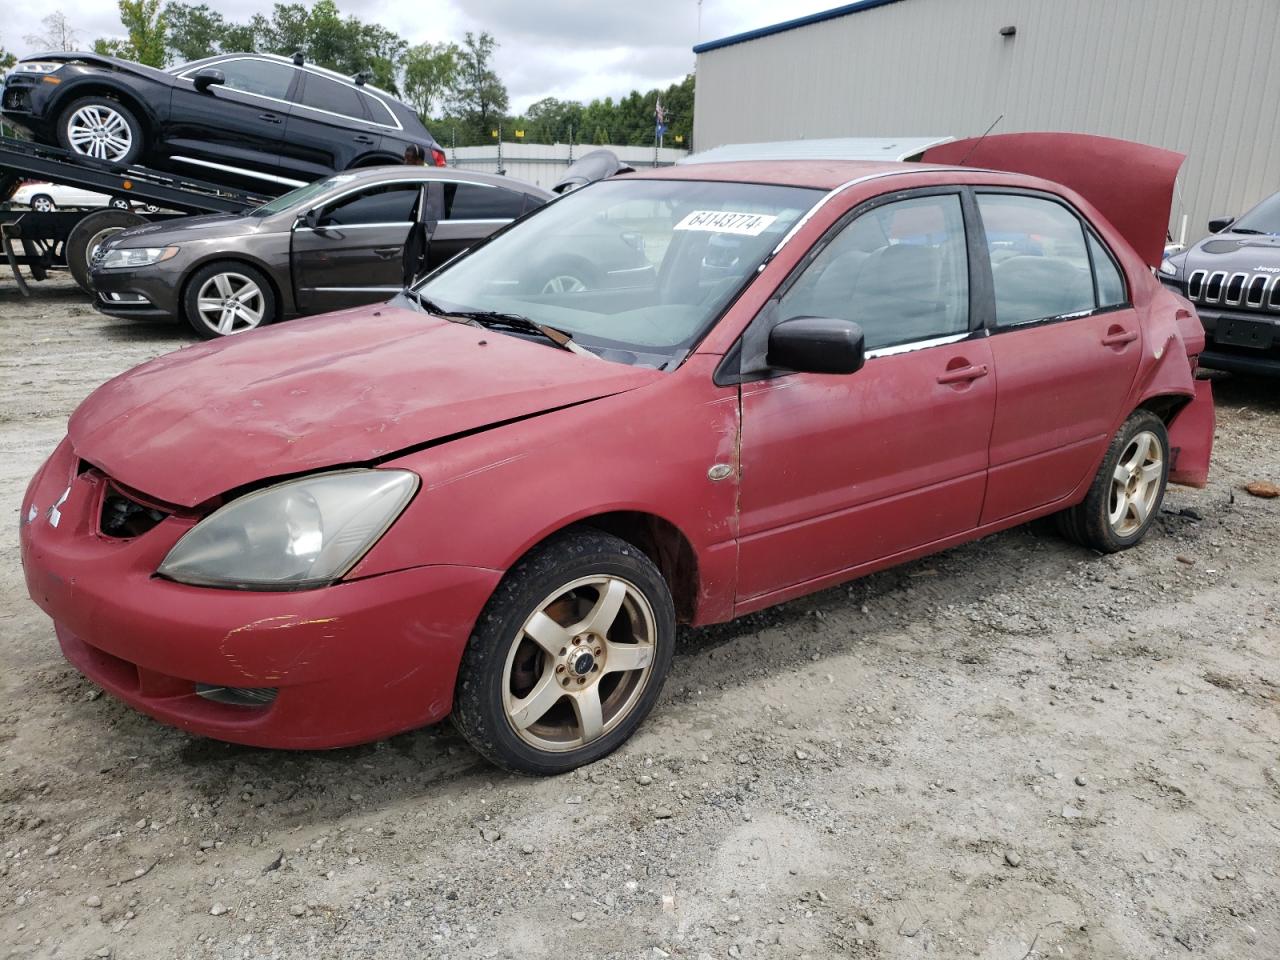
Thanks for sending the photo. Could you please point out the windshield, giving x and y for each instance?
(1264, 218)
(635, 270)
(295, 198)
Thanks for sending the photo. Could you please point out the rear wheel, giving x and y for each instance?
(568, 657)
(43, 203)
(228, 297)
(1127, 491)
(88, 234)
(99, 128)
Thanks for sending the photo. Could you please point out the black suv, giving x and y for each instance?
(1233, 278)
(248, 119)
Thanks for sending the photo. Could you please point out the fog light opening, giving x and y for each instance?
(238, 696)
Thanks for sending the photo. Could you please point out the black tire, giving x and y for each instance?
(1090, 522)
(8, 183)
(137, 133)
(85, 236)
(231, 268)
(49, 205)
(119, 203)
(479, 711)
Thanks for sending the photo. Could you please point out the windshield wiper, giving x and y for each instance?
(1246, 230)
(495, 319)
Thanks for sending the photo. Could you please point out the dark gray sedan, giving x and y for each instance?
(338, 242)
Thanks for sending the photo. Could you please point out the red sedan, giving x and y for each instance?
(497, 495)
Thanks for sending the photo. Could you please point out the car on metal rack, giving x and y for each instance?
(494, 497)
(248, 119)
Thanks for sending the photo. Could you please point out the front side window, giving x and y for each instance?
(467, 201)
(634, 269)
(261, 77)
(1039, 263)
(388, 204)
(900, 271)
(331, 96)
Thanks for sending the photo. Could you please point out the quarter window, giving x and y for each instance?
(466, 201)
(393, 203)
(330, 95)
(900, 270)
(1039, 263)
(261, 77)
(1110, 283)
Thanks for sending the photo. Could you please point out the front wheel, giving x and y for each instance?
(568, 657)
(99, 128)
(43, 203)
(228, 297)
(1127, 491)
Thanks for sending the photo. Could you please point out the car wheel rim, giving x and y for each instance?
(580, 663)
(1135, 484)
(98, 132)
(230, 303)
(42, 205)
(563, 283)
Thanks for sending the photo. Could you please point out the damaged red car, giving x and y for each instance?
(496, 496)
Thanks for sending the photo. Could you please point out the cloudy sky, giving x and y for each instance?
(561, 48)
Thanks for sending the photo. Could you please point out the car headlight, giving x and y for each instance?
(38, 66)
(295, 535)
(1168, 268)
(122, 258)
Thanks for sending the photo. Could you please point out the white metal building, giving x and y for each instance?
(1198, 76)
(545, 164)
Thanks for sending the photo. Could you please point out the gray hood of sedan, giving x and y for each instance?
(210, 226)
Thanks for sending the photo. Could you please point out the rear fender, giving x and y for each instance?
(1191, 439)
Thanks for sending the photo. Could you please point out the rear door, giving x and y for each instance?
(472, 211)
(235, 127)
(1066, 343)
(353, 254)
(329, 128)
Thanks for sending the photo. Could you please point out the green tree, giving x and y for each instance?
(478, 98)
(194, 32)
(430, 72)
(7, 59)
(146, 24)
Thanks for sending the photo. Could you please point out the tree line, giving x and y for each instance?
(452, 85)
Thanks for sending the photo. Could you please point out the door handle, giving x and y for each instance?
(362, 138)
(269, 117)
(963, 374)
(1118, 337)
(386, 252)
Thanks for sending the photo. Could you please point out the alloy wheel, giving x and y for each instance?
(230, 303)
(99, 132)
(563, 283)
(43, 204)
(1135, 484)
(580, 663)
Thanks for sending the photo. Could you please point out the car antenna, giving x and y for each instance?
(298, 59)
(977, 143)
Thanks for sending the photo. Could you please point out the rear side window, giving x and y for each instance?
(393, 203)
(466, 201)
(901, 271)
(1110, 283)
(331, 96)
(380, 112)
(262, 77)
(1039, 263)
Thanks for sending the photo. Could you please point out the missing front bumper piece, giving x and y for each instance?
(238, 696)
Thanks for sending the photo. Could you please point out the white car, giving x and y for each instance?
(47, 197)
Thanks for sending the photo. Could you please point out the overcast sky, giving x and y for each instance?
(549, 48)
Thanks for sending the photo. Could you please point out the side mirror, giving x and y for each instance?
(209, 77)
(816, 345)
(309, 219)
(1218, 224)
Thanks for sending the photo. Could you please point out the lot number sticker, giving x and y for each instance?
(725, 221)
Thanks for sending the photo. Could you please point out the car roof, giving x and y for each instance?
(820, 174)
(402, 171)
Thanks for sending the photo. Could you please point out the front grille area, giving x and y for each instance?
(123, 517)
(1244, 291)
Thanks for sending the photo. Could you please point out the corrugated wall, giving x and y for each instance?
(1198, 76)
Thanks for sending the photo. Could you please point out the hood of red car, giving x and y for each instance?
(1131, 184)
(348, 388)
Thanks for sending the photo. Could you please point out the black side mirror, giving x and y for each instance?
(1218, 224)
(816, 345)
(310, 219)
(209, 77)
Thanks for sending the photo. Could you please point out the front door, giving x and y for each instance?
(1066, 344)
(842, 471)
(354, 252)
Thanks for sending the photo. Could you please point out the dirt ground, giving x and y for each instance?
(1013, 750)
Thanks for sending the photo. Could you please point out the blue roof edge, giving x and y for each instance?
(832, 14)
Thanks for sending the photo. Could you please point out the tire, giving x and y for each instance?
(1125, 496)
(43, 203)
(564, 581)
(228, 280)
(102, 130)
(87, 234)
(119, 203)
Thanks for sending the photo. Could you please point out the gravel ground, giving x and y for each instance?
(1014, 749)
